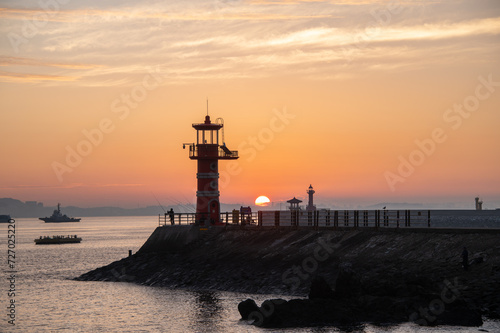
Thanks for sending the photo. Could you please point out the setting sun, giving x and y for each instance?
(262, 201)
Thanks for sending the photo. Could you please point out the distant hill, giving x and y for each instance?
(17, 208)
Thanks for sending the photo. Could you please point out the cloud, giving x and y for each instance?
(33, 78)
(86, 15)
(18, 61)
(335, 2)
(393, 47)
(291, 2)
(68, 186)
(102, 47)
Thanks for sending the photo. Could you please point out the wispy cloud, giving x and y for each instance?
(84, 15)
(68, 186)
(331, 36)
(18, 61)
(101, 47)
(391, 48)
(33, 78)
(283, 2)
(333, 2)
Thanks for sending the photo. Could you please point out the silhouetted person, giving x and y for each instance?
(203, 218)
(171, 214)
(465, 258)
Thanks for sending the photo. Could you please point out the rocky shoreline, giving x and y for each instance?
(378, 276)
(345, 306)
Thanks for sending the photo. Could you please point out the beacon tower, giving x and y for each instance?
(479, 204)
(310, 205)
(208, 151)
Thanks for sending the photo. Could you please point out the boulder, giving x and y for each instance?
(247, 307)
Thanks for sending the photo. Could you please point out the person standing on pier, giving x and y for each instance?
(171, 214)
(465, 258)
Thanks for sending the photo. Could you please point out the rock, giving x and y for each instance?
(324, 308)
(247, 307)
(276, 313)
(320, 289)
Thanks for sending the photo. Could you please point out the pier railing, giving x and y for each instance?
(176, 219)
(229, 218)
(315, 219)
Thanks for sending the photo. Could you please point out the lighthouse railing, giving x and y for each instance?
(221, 153)
(228, 153)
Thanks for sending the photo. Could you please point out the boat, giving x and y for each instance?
(58, 239)
(57, 217)
(5, 218)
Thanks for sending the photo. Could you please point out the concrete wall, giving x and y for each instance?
(170, 238)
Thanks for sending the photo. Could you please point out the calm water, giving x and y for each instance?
(47, 300)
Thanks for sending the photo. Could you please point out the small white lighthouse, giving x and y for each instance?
(310, 205)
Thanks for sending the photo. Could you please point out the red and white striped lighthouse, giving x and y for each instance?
(208, 152)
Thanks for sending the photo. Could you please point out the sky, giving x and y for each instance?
(367, 101)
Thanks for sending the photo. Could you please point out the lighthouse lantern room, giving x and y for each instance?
(208, 151)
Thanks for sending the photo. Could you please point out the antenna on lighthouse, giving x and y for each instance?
(207, 106)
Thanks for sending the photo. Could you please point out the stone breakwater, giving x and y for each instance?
(415, 274)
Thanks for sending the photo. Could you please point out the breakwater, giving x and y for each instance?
(409, 266)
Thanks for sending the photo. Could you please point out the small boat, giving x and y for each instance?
(5, 218)
(58, 239)
(57, 217)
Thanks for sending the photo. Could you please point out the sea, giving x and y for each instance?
(39, 293)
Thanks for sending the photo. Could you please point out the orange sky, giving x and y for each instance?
(366, 101)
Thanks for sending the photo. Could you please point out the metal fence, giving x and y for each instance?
(176, 219)
(318, 218)
(346, 218)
